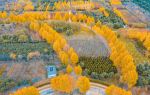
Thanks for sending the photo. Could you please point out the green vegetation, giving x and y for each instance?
(13, 38)
(8, 35)
(139, 46)
(65, 27)
(23, 49)
(97, 68)
(112, 20)
(144, 75)
(6, 84)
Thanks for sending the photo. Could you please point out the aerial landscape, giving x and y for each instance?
(74, 47)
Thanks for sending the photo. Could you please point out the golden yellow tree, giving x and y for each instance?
(119, 55)
(74, 58)
(103, 10)
(56, 46)
(64, 57)
(58, 16)
(78, 70)
(69, 69)
(83, 84)
(63, 83)
(74, 19)
(66, 16)
(34, 26)
(115, 2)
(29, 7)
(3, 15)
(114, 90)
(26, 91)
(70, 51)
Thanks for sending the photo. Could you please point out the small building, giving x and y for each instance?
(2, 5)
(51, 71)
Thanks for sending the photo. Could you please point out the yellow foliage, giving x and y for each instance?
(83, 84)
(70, 51)
(58, 42)
(69, 69)
(63, 83)
(29, 7)
(115, 2)
(103, 10)
(74, 58)
(119, 55)
(13, 56)
(66, 16)
(74, 19)
(78, 70)
(3, 15)
(144, 37)
(64, 57)
(61, 5)
(26, 91)
(118, 13)
(113, 90)
(56, 46)
(33, 54)
(28, 17)
(90, 20)
(34, 26)
(58, 16)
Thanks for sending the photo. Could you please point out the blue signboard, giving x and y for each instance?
(51, 71)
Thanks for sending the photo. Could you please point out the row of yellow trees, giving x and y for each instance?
(26, 91)
(74, 18)
(120, 56)
(67, 55)
(28, 17)
(141, 36)
(65, 52)
(119, 14)
(33, 16)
